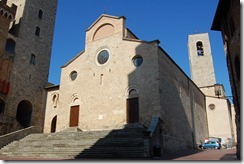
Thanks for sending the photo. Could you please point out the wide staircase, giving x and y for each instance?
(125, 143)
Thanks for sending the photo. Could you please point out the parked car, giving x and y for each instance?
(210, 145)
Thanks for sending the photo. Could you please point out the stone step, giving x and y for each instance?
(83, 135)
(98, 152)
(70, 147)
(81, 142)
(65, 149)
(119, 143)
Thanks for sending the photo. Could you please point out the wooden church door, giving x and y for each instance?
(74, 116)
(132, 110)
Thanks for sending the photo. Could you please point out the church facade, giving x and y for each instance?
(119, 79)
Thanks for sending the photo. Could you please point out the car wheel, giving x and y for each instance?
(216, 147)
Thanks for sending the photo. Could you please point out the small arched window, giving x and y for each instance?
(55, 99)
(33, 59)
(10, 46)
(200, 51)
(40, 13)
(37, 33)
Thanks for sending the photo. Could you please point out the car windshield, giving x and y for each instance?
(210, 142)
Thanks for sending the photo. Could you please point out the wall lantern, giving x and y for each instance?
(218, 89)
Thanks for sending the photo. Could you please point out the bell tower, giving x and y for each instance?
(201, 62)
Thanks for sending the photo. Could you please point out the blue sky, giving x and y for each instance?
(170, 21)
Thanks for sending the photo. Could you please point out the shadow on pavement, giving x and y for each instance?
(227, 157)
(181, 153)
(198, 154)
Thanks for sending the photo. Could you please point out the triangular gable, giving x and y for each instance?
(79, 54)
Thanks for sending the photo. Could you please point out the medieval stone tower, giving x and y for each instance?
(201, 63)
(219, 114)
(28, 49)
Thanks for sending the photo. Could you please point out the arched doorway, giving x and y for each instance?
(53, 124)
(132, 105)
(2, 107)
(24, 112)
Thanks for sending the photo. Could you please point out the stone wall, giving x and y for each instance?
(172, 144)
(216, 114)
(52, 108)
(182, 103)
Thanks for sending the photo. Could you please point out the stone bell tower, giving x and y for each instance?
(202, 73)
(201, 62)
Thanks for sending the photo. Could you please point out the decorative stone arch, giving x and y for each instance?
(132, 91)
(74, 99)
(24, 113)
(103, 31)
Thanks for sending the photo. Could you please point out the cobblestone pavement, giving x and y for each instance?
(200, 155)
